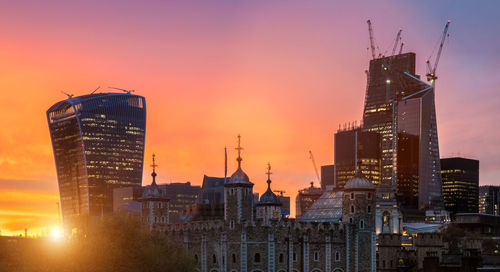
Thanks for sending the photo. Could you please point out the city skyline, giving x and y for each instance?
(286, 77)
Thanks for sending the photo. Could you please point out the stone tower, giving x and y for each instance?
(269, 206)
(155, 206)
(238, 192)
(358, 211)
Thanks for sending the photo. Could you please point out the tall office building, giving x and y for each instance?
(489, 199)
(400, 107)
(327, 176)
(98, 144)
(359, 149)
(460, 185)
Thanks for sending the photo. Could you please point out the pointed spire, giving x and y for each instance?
(154, 165)
(239, 148)
(268, 173)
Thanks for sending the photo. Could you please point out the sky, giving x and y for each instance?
(283, 74)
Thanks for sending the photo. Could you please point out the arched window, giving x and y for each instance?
(361, 224)
(294, 257)
(281, 258)
(234, 258)
(352, 208)
(350, 220)
(257, 258)
(316, 256)
(352, 196)
(337, 256)
(214, 259)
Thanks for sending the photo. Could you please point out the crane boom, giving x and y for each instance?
(431, 76)
(372, 42)
(314, 164)
(398, 38)
(401, 48)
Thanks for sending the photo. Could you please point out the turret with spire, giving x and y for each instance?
(269, 206)
(238, 194)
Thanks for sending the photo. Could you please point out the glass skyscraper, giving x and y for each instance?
(98, 144)
(400, 107)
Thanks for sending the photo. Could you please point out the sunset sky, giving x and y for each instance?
(283, 74)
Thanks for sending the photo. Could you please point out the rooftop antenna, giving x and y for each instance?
(69, 95)
(95, 89)
(123, 90)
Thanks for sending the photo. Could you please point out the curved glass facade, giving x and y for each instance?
(98, 143)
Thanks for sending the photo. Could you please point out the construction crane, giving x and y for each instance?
(69, 95)
(123, 90)
(401, 48)
(398, 38)
(95, 90)
(314, 164)
(372, 42)
(431, 75)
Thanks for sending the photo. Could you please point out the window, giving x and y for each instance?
(196, 257)
(214, 259)
(281, 258)
(257, 258)
(369, 208)
(352, 196)
(316, 256)
(234, 258)
(350, 220)
(352, 208)
(294, 257)
(369, 195)
(337, 256)
(361, 224)
(231, 224)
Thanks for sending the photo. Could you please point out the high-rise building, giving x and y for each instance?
(327, 176)
(356, 149)
(305, 198)
(285, 201)
(460, 185)
(180, 195)
(401, 107)
(98, 144)
(489, 199)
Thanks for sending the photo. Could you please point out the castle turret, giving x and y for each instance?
(155, 206)
(238, 192)
(269, 206)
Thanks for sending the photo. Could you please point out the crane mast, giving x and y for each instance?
(314, 164)
(431, 76)
(398, 38)
(372, 42)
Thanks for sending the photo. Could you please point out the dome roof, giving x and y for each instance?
(269, 197)
(359, 182)
(239, 177)
(151, 191)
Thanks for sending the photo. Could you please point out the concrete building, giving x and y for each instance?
(305, 198)
(460, 185)
(327, 176)
(489, 199)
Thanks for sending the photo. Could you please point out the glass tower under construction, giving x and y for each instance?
(98, 144)
(401, 107)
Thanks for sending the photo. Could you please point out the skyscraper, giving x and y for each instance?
(400, 107)
(98, 144)
(489, 199)
(356, 149)
(460, 185)
(305, 198)
(327, 176)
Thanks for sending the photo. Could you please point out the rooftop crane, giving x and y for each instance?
(95, 90)
(69, 95)
(401, 48)
(372, 42)
(398, 38)
(123, 90)
(314, 164)
(431, 75)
